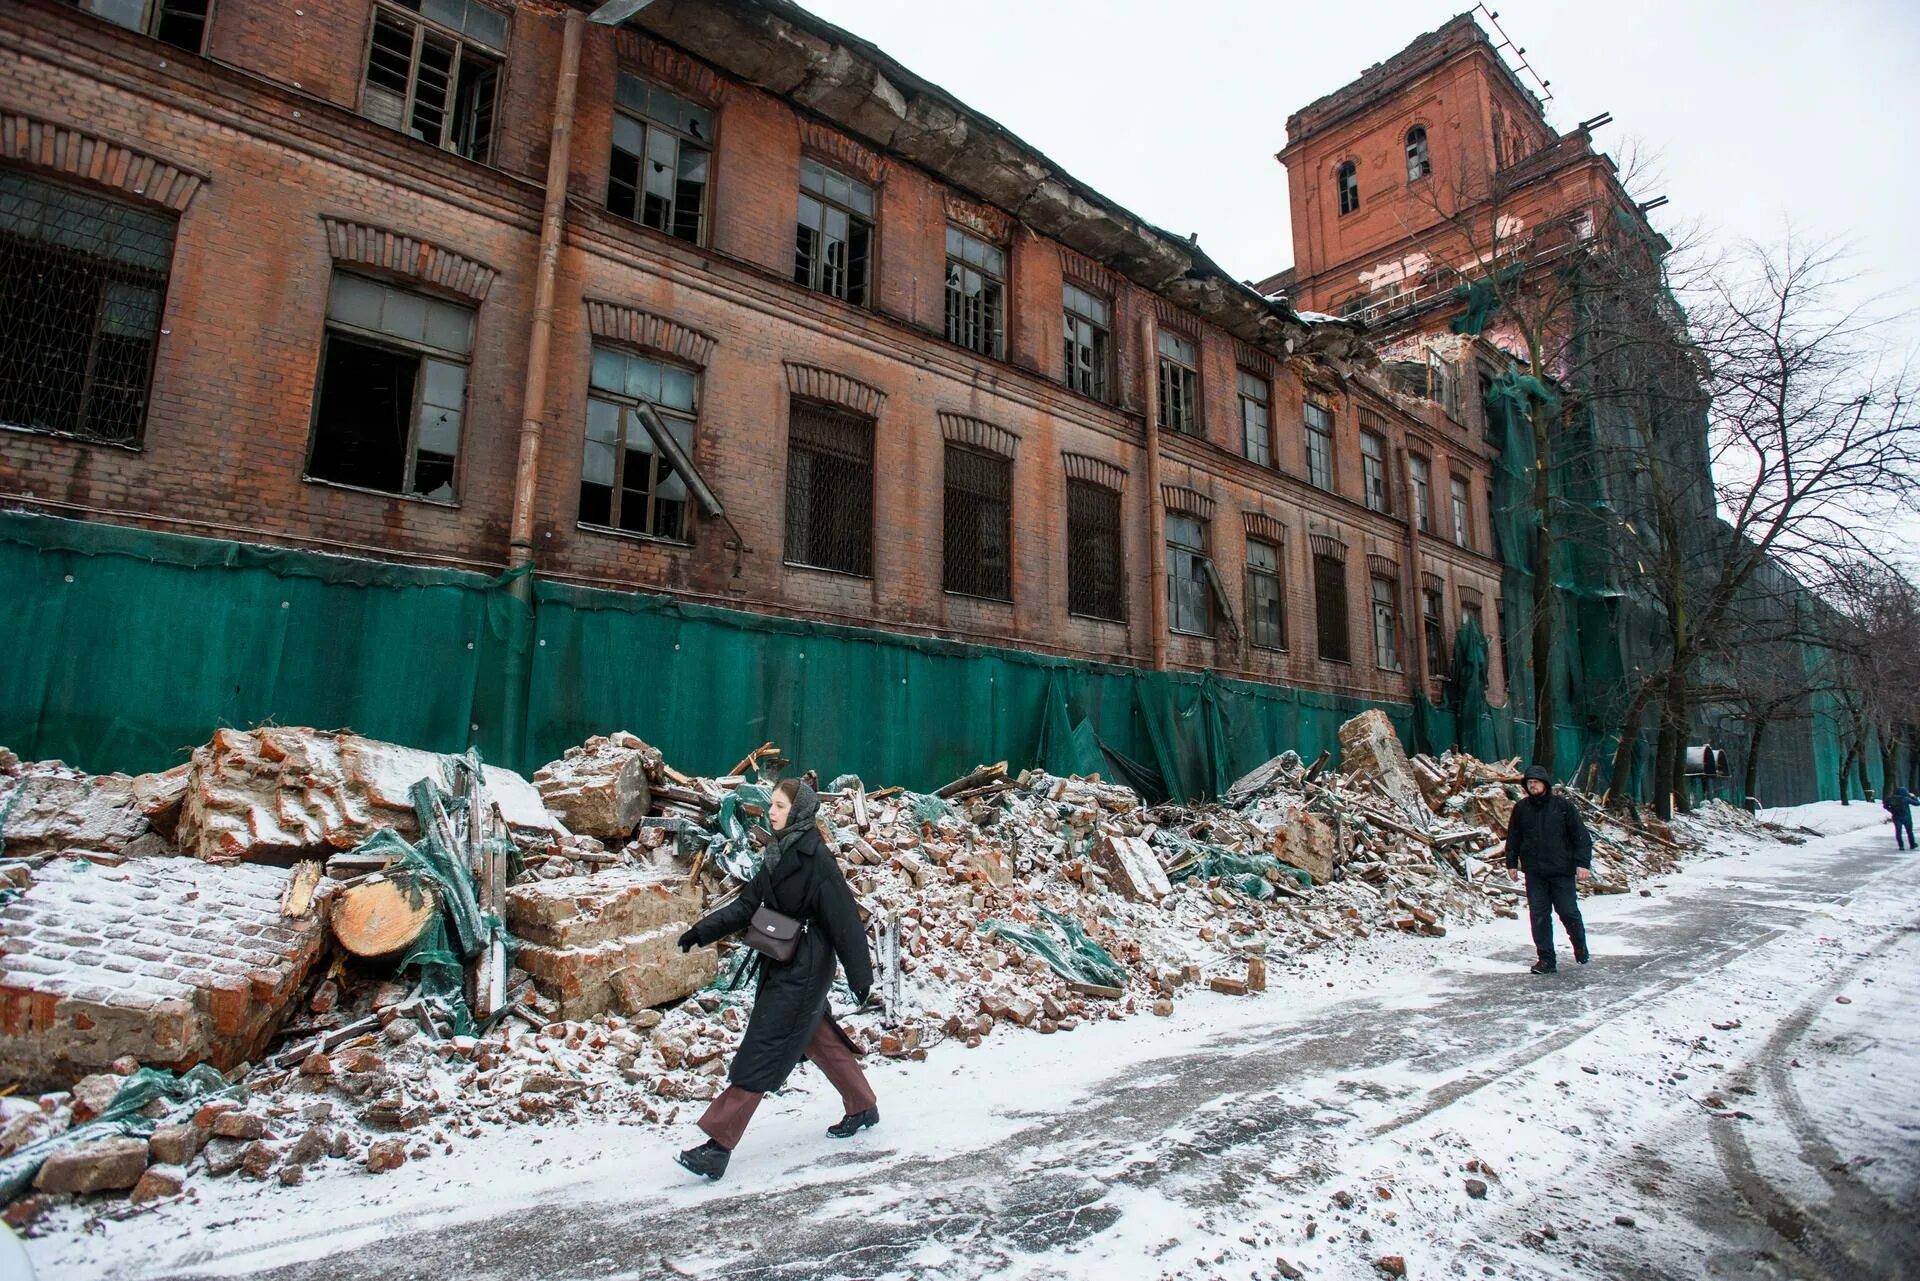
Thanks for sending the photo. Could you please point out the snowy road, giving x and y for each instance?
(1702, 1078)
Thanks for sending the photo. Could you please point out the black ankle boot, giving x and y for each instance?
(1581, 954)
(854, 1122)
(708, 1160)
(1543, 967)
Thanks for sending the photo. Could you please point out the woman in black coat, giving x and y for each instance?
(798, 878)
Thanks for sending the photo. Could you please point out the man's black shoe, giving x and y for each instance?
(1542, 967)
(1581, 955)
(854, 1122)
(708, 1160)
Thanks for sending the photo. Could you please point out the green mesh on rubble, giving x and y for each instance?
(1251, 874)
(1072, 954)
(122, 1117)
(930, 809)
(731, 846)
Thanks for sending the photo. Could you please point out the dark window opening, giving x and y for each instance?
(1179, 385)
(82, 280)
(1256, 427)
(1189, 596)
(1434, 622)
(180, 23)
(1349, 182)
(627, 479)
(1095, 587)
(1330, 608)
(1462, 523)
(1088, 323)
(1419, 163)
(1319, 425)
(1386, 625)
(833, 244)
(437, 78)
(978, 532)
(1373, 465)
(1266, 600)
(976, 293)
(829, 489)
(662, 151)
(1422, 492)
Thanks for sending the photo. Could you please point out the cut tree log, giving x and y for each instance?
(985, 774)
(383, 914)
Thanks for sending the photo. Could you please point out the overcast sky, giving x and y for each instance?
(1760, 112)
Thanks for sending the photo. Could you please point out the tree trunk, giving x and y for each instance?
(1543, 593)
(1846, 767)
(381, 915)
(1889, 760)
(1663, 753)
(1860, 758)
(1629, 739)
(1679, 702)
(1751, 782)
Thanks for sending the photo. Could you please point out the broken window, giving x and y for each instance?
(1088, 324)
(1422, 492)
(979, 524)
(1386, 648)
(833, 245)
(1094, 559)
(1189, 598)
(1461, 528)
(662, 147)
(1434, 623)
(1443, 384)
(1179, 385)
(1330, 607)
(393, 390)
(829, 489)
(627, 478)
(1256, 428)
(436, 76)
(1373, 467)
(1419, 163)
(82, 279)
(1266, 602)
(1349, 182)
(976, 293)
(180, 23)
(1319, 425)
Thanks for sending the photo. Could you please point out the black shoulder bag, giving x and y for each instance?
(775, 935)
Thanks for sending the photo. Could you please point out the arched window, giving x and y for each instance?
(1419, 163)
(1349, 187)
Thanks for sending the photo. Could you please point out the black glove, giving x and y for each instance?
(689, 941)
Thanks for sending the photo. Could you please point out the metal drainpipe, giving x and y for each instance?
(1156, 512)
(539, 346)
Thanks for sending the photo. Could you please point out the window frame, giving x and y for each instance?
(994, 328)
(1004, 470)
(1259, 397)
(152, 15)
(1308, 410)
(869, 220)
(1183, 376)
(1193, 559)
(397, 11)
(1347, 184)
(1460, 495)
(1387, 659)
(797, 405)
(1334, 624)
(1376, 481)
(660, 463)
(1420, 480)
(1079, 588)
(1276, 574)
(1419, 153)
(1091, 376)
(1433, 624)
(682, 138)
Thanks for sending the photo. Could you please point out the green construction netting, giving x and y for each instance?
(122, 1117)
(1254, 875)
(1066, 948)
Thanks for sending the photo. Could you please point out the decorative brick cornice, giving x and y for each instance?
(1261, 525)
(1253, 360)
(1188, 502)
(668, 65)
(1084, 271)
(1172, 317)
(1328, 545)
(979, 434)
(815, 383)
(843, 153)
(1095, 471)
(1383, 567)
(982, 220)
(409, 256)
(641, 329)
(1469, 595)
(97, 160)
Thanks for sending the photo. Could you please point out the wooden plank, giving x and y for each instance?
(297, 901)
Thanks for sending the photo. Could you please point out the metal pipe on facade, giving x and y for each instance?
(1156, 512)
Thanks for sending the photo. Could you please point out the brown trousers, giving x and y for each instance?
(726, 1117)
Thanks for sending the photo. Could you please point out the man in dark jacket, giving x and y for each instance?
(1547, 841)
(1900, 803)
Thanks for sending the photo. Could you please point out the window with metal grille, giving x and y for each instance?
(1373, 468)
(1433, 621)
(1319, 425)
(1419, 163)
(1330, 608)
(627, 479)
(1386, 646)
(1088, 323)
(1256, 427)
(433, 72)
(1422, 492)
(1462, 527)
(1266, 600)
(662, 149)
(393, 390)
(82, 279)
(1189, 598)
(979, 524)
(829, 489)
(976, 293)
(833, 244)
(180, 23)
(1179, 385)
(1349, 184)
(1095, 588)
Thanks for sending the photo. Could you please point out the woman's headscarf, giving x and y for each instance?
(800, 820)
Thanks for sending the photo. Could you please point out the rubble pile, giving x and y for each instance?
(379, 951)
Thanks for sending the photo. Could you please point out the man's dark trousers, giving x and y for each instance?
(1547, 895)
(1903, 822)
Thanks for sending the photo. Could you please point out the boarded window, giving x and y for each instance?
(180, 23)
(1088, 325)
(1189, 597)
(662, 149)
(976, 293)
(833, 244)
(1179, 385)
(1419, 162)
(979, 524)
(1462, 526)
(1373, 467)
(1386, 644)
(627, 478)
(393, 390)
(1422, 474)
(1256, 425)
(1348, 180)
(82, 280)
(829, 489)
(1094, 557)
(433, 72)
(1266, 599)
(1330, 608)
(1319, 433)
